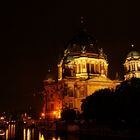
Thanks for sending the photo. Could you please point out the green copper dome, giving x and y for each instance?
(133, 54)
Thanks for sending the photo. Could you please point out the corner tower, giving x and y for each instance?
(132, 65)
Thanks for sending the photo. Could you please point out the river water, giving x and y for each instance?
(14, 133)
(23, 133)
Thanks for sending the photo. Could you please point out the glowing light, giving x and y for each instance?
(24, 134)
(41, 137)
(2, 132)
(43, 114)
(7, 134)
(12, 130)
(2, 118)
(54, 112)
(59, 114)
(132, 45)
(28, 134)
(25, 114)
(53, 138)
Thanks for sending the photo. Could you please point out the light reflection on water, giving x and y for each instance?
(12, 133)
(28, 134)
(41, 136)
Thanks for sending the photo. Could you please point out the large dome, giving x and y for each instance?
(83, 41)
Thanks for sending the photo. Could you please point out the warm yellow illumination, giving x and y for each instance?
(132, 65)
(53, 138)
(43, 114)
(28, 134)
(59, 114)
(54, 112)
(2, 118)
(41, 137)
(12, 130)
(6, 134)
(83, 72)
(24, 134)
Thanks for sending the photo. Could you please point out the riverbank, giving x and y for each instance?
(96, 130)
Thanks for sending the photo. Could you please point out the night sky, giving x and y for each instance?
(34, 33)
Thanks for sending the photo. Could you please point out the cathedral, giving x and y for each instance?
(82, 70)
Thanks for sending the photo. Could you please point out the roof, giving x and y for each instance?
(82, 42)
(133, 54)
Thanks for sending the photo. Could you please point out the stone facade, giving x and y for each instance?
(82, 70)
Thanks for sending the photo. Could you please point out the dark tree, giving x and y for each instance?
(119, 105)
(68, 114)
(99, 105)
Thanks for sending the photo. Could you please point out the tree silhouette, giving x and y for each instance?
(68, 114)
(119, 105)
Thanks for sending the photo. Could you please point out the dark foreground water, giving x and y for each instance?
(21, 133)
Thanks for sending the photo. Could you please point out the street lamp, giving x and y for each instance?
(43, 115)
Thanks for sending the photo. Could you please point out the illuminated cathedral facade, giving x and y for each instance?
(132, 65)
(82, 70)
